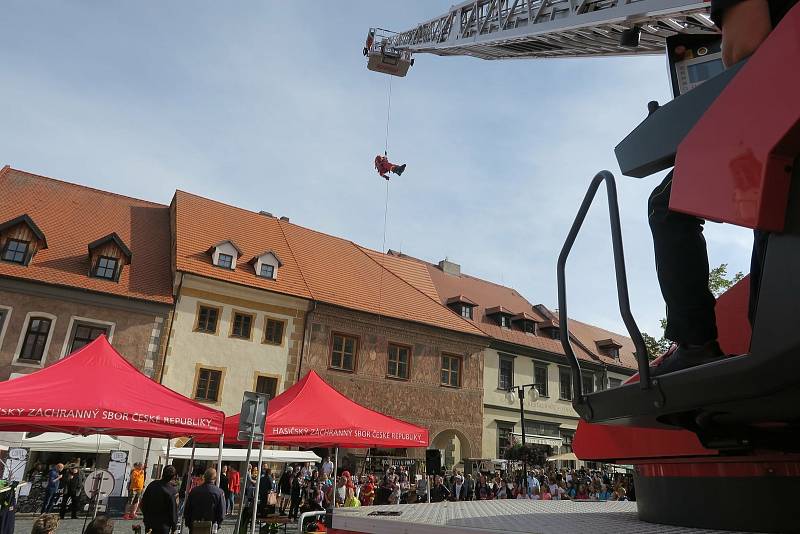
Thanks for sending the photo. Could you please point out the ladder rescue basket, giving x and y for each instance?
(383, 57)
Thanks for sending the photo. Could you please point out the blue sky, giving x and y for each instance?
(268, 105)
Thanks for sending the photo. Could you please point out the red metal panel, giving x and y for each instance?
(621, 444)
(735, 164)
(732, 323)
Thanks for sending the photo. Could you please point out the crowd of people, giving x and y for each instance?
(306, 487)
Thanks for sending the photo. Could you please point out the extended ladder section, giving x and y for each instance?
(507, 29)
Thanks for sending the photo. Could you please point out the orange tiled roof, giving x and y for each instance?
(315, 265)
(73, 216)
(484, 292)
(201, 223)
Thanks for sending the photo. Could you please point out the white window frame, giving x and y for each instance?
(77, 319)
(4, 326)
(24, 331)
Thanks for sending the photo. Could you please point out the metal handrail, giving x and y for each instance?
(621, 279)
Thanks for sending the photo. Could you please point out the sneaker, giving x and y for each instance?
(687, 356)
(398, 170)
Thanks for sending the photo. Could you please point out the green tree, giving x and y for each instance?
(718, 283)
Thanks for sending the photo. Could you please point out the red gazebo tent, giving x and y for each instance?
(311, 413)
(97, 391)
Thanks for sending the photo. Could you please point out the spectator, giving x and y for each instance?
(469, 488)
(367, 494)
(439, 492)
(100, 525)
(459, 492)
(234, 485)
(159, 503)
(544, 493)
(483, 491)
(45, 524)
(73, 486)
(135, 489)
(206, 502)
(225, 486)
(350, 500)
(295, 495)
(327, 467)
(285, 487)
(53, 483)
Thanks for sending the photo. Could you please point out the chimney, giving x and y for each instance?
(265, 213)
(449, 267)
(285, 219)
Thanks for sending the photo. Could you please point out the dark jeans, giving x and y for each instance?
(294, 508)
(50, 498)
(682, 269)
(73, 505)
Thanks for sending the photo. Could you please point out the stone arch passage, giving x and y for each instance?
(454, 446)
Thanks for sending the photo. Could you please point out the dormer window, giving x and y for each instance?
(225, 260)
(609, 347)
(525, 322)
(267, 270)
(16, 251)
(20, 240)
(266, 264)
(462, 306)
(501, 315)
(108, 256)
(225, 254)
(106, 268)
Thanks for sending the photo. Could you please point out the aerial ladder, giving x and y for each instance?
(733, 135)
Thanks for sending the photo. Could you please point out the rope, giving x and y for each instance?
(388, 115)
(386, 202)
(383, 249)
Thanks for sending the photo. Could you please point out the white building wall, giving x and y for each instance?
(240, 360)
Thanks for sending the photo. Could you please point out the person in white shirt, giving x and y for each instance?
(327, 467)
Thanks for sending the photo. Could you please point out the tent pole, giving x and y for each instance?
(166, 461)
(147, 457)
(258, 484)
(335, 474)
(219, 458)
(246, 473)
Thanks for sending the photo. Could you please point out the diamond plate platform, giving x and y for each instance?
(503, 516)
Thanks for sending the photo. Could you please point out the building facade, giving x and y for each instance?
(70, 275)
(77, 263)
(524, 349)
(227, 339)
(421, 374)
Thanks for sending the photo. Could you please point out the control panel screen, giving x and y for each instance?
(700, 72)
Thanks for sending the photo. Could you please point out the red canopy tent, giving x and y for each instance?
(311, 413)
(96, 391)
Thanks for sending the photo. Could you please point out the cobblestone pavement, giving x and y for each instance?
(121, 526)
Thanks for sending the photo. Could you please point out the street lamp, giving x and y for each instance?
(519, 392)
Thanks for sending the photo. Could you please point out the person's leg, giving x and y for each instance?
(63, 511)
(74, 501)
(49, 501)
(137, 496)
(682, 269)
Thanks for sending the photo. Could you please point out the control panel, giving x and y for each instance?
(693, 59)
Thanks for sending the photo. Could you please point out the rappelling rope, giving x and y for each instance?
(386, 202)
(388, 116)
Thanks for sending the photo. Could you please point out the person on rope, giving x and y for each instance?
(384, 166)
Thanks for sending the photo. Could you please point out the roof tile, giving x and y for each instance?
(72, 216)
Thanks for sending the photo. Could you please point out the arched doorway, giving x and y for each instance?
(454, 446)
